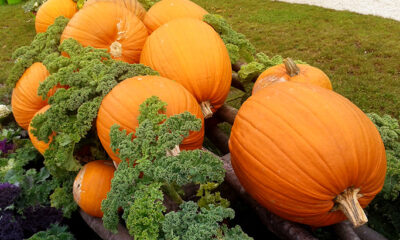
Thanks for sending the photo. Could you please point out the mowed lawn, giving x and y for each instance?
(361, 54)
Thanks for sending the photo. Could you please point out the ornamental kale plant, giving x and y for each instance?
(383, 210)
(156, 170)
(89, 75)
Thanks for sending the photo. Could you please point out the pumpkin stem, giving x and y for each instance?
(349, 205)
(172, 193)
(174, 152)
(291, 68)
(116, 49)
(206, 109)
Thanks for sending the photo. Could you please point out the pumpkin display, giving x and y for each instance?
(52, 9)
(307, 154)
(190, 52)
(25, 101)
(133, 5)
(290, 71)
(121, 106)
(110, 26)
(91, 186)
(167, 10)
(39, 145)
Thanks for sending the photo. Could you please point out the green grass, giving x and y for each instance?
(16, 29)
(361, 54)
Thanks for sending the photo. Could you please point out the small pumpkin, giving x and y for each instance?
(292, 72)
(91, 186)
(39, 145)
(121, 106)
(190, 52)
(111, 26)
(52, 9)
(307, 154)
(133, 5)
(25, 101)
(167, 10)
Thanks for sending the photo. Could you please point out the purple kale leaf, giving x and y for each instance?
(5, 147)
(8, 194)
(39, 218)
(10, 228)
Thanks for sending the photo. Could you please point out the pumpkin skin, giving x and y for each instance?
(295, 147)
(190, 52)
(25, 101)
(133, 5)
(110, 26)
(91, 186)
(39, 145)
(284, 72)
(121, 106)
(167, 10)
(52, 9)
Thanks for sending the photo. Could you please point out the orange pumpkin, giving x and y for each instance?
(305, 152)
(52, 9)
(190, 52)
(292, 72)
(167, 10)
(111, 26)
(25, 101)
(39, 145)
(91, 186)
(133, 5)
(121, 106)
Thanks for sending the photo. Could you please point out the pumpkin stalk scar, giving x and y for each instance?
(347, 202)
(206, 109)
(116, 47)
(291, 68)
(174, 152)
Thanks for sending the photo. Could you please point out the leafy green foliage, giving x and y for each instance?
(148, 3)
(194, 223)
(239, 47)
(55, 232)
(260, 64)
(42, 45)
(383, 210)
(32, 5)
(207, 197)
(62, 197)
(89, 74)
(152, 170)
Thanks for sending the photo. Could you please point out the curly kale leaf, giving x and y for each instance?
(239, 47)
(146, 213)
(260, 64)
(42, 45)
(208, 198)
(193, 223)
(55, 232)
(151, 169)
(87, 75)
(62, 197)
(235, 233)
(389, 130)
(8, 193)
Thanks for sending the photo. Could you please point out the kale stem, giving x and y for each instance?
(172, 193)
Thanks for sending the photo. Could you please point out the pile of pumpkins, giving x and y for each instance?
(301, 150)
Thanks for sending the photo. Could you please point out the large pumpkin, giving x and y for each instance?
(167, 10)
(292, 72)
(111, 26)
(25, 101)
(91, 186)
(39, 145)
(133, 5)
(121, 106)
(306, 153)
(190, 52)
(52, 9)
